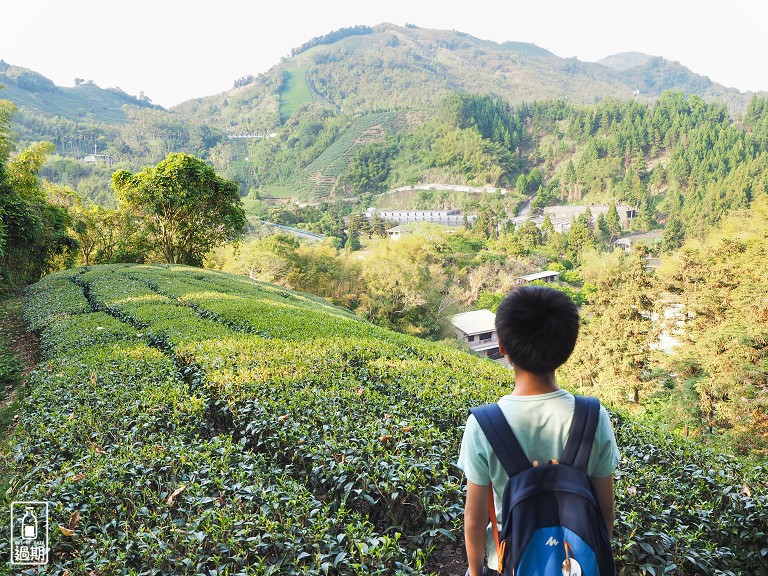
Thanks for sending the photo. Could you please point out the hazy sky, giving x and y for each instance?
(174, 50)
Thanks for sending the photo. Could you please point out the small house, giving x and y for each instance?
(650, 239)
(396, 232)
(545, 276)
(477, 329)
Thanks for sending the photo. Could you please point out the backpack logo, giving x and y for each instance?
(552, 542)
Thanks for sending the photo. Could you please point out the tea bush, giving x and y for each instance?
(186, 421)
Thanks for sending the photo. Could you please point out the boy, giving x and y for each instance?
(537, 329)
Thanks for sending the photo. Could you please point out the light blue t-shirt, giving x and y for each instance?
(541, 424)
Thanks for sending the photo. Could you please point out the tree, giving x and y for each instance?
(569, 180)
(723, 353)
(105, 235)
(187, 208)
(602, 233)
(354, 230)
(613, 221)
(369, 170)
(673, 235)
(33, 230)
(580, 238)
(522, 184)
(613, 353)
(399, 282)
(534, 179)
(529, 236)
(547, 228)
(486, 224)
(378, 226)
(271, 259)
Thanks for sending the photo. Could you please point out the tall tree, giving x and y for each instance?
(722, 283)
(613, 352)
(33, 230)
(187, 208)
(613, 221)
(673, 235)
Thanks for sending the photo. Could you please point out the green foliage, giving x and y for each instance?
(185, 207)
(489, 301)
(295, 92)
(673, 234)
(613, 353)
(317, 151)
(281, 462)
(33, 231)
(10, 367)
(501, 117)
(243, 81)
(685, 509)
(723, 354)
(85, 105)
(332, 37)
(370, 169)
(198, 422)
(27, 79)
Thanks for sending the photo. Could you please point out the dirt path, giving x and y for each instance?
(449, 562)
(21, 344)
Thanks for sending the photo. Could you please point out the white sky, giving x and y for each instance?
(174, 50)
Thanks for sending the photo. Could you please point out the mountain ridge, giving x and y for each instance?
(34, 92)
(390, 65)
(294, 130)
(411, 68)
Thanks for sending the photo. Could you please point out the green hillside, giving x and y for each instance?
(318, 180)
(86, 101)
(395, 67)
(285, 133)
(199, 422)
(295, 92)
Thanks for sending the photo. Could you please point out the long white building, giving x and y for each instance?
(442, 217)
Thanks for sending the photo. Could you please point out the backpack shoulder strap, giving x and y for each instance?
(501, 438)
(586, 415)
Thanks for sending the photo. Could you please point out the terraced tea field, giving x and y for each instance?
(186, 421)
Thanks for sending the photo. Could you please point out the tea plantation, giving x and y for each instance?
(185, 421)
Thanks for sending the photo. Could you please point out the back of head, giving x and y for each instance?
(538, 327)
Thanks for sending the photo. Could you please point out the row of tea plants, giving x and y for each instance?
(186, 421)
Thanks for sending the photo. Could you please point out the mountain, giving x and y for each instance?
(294, 130)
(385, 67)
(654, 75)
(38, 95)
(390, 67)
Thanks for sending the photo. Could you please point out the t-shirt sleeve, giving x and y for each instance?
(605, 452)
(473, 456)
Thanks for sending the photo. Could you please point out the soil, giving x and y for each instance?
(449, 562)
(20, 342)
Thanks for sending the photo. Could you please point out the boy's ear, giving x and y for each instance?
(502, 350)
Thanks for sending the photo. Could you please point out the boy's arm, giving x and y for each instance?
(605, 499)
(476, 518)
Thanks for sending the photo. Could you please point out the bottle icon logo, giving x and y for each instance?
(29, 533)
(29, 525)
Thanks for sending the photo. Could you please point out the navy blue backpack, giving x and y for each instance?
(552, 523)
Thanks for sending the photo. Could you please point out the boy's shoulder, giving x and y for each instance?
(561, 398)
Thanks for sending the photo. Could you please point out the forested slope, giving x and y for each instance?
(283, 121)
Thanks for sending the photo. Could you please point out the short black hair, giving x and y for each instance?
(538, 327)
